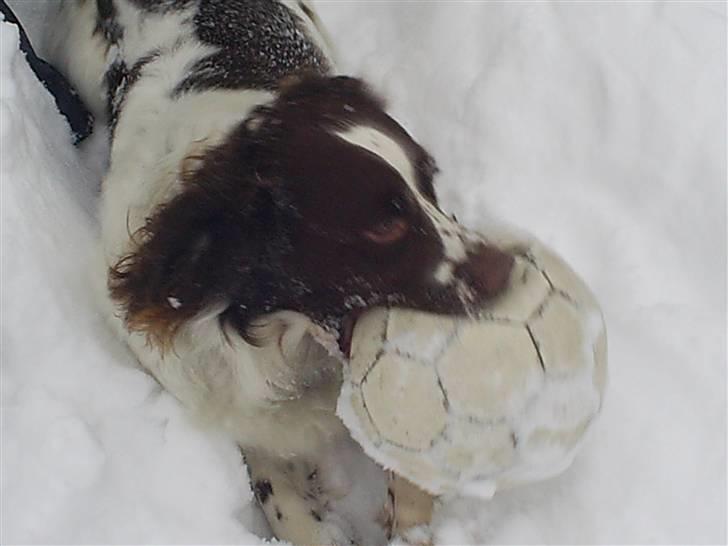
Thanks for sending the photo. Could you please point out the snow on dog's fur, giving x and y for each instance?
(254, 205)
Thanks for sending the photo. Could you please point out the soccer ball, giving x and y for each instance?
(473, 405)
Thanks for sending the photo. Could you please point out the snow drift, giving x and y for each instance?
(600, 127)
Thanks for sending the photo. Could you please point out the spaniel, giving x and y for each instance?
(255, 204)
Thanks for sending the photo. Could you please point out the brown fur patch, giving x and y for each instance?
(275, 217)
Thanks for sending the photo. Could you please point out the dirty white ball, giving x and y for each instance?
(470, 406)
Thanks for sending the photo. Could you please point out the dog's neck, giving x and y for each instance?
(165, 144)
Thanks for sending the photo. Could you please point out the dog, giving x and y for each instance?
(255, 204)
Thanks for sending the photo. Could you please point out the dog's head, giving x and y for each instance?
(319, 203)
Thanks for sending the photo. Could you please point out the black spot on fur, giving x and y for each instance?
(316, 515)
(279, 515)
(114, 79)
(263, 489)
(119, 81)
(260, 42)
(162, 6)
(106, 23)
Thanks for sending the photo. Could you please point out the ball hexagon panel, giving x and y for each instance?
(363, 418)
(490, 370)
(487, 448)
(423, 337)
(401, 418)
(568, 348)
(562, 277)
(419, 468)
(527, 289)
(366, 344)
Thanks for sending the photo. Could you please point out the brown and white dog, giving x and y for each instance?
(254, 205)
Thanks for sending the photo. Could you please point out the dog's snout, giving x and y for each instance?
(486, 271)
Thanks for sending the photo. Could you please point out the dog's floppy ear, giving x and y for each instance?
(193, 253)
(165, 280)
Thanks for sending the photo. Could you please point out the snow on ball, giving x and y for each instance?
(472, 405)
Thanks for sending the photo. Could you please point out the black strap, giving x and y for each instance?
(67, 100)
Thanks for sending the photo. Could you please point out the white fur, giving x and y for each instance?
(87, 65)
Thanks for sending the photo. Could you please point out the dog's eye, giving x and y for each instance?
(387, 232)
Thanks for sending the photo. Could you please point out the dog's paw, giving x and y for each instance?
(342, 516)
(338, 498)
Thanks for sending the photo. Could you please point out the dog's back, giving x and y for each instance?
(102, 45)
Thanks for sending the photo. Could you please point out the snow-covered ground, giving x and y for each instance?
(600, 127)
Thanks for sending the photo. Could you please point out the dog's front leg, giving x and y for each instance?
(339, 498)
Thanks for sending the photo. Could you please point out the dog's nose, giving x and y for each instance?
(486, 270)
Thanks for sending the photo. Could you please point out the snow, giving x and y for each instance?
(599, 127)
